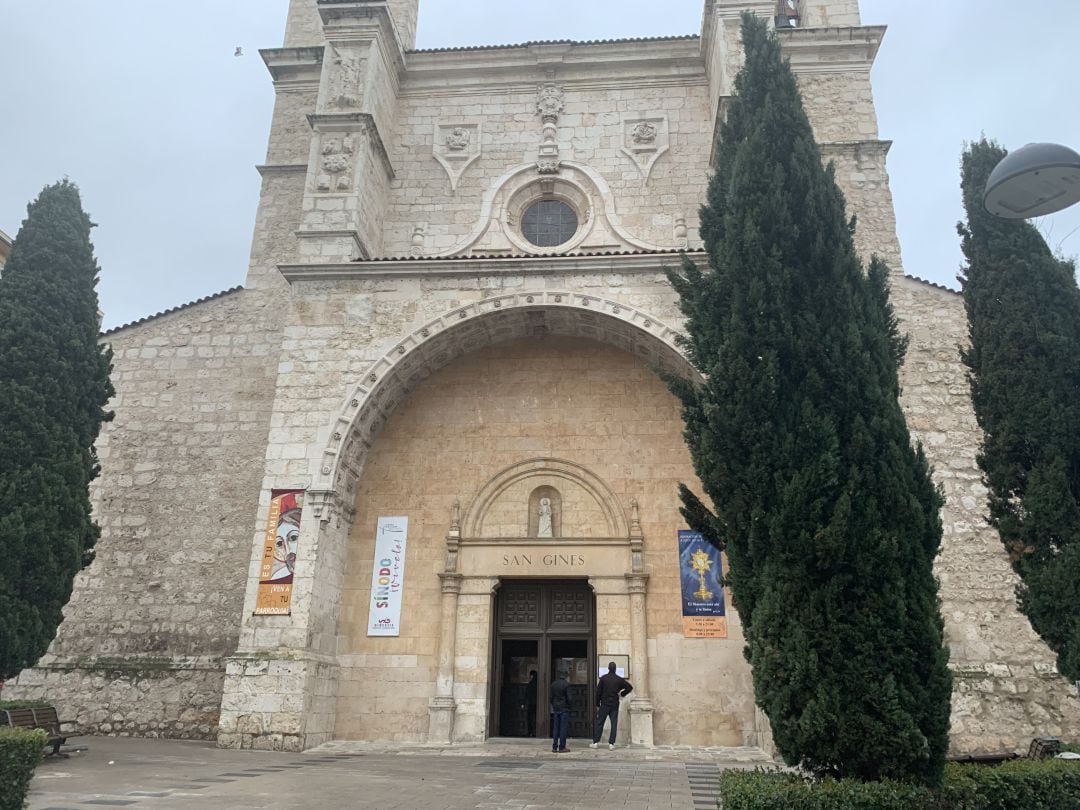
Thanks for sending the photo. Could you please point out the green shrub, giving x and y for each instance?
(743, 790)
(1019, 785)
(1024, 784)
(24, 704)
(20, 752)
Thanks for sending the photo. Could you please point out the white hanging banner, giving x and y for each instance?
(388, 577)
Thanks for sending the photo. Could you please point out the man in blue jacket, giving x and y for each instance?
(610, 689)
(560, 712)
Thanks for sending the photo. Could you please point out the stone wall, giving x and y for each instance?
(142, 646)
(1007, 689)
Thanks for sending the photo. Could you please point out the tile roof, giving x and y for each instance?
(572, 254)
(556, 42)
(171, 310)
(932, 284)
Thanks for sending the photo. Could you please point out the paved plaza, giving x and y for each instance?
(168, 775)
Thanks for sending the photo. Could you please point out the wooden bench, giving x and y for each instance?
(46, 719)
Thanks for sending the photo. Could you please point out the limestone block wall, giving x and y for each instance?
(863, 177)
(290, 132)
(840, 105)
(821, 13)
(600, 103)
(303, 26)
(142, 645)
(1007, 689)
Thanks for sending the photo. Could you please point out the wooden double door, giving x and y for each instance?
(542, 626)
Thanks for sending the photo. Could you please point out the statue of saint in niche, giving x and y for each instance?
(544, 525)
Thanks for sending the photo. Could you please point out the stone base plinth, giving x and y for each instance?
(278, 701)
(641, 730)
(441, 723)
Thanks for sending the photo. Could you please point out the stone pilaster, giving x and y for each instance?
(641, 708)
(349, 168)
(442, 706)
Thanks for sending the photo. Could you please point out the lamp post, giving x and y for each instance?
(1035, 180)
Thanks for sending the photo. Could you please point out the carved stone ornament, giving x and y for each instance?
(336, 163)
(458, 139)
(550, 102)
(645, 140)
(343, 88)
(548, 165)
(457, 146)
(643, 132)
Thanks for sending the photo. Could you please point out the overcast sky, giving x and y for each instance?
(144, 106)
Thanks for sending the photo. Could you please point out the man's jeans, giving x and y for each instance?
(602, 714)
(560, 722)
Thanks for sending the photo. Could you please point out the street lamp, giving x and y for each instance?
(1033, 181)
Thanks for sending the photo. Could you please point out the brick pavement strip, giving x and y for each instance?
(169, 775)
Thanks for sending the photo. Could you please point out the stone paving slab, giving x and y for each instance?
(171, 775)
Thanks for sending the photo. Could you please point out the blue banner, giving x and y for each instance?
(701, 576)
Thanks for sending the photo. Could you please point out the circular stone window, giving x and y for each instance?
(549, 223)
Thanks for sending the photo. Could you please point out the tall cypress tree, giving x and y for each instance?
(828, 514)
(1023, 310)
(55, 382)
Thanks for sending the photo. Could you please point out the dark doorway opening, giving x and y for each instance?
(546, 626)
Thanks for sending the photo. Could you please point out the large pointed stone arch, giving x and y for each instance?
(467, 328)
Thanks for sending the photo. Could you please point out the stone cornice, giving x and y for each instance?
(849, 147)
(832, 50)
(492, 266)
(282, 168)
(294, 65)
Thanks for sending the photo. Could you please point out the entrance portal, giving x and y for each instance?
(542, 626)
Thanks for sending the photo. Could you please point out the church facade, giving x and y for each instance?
(424, 451)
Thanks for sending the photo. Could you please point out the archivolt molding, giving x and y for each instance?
(595, 187)
(614, 515)
(468, 328)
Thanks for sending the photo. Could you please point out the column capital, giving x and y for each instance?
(451, 583)
(637, 582)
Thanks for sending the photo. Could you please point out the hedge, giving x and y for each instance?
(20, 752)
(1018, 785)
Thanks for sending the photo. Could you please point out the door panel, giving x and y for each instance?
(541, 625)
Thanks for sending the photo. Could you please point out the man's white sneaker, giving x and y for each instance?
(593, 745)
(611, 747)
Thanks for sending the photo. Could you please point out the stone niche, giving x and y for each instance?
(509, 506)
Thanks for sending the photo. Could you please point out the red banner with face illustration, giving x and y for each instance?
(279, 552)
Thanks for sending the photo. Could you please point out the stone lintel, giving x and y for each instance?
(646, 263)
(832, 50)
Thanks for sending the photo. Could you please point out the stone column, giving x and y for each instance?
(442, 706)
(641, 708)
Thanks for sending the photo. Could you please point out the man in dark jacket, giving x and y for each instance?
(609, 690)
(560, 712)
